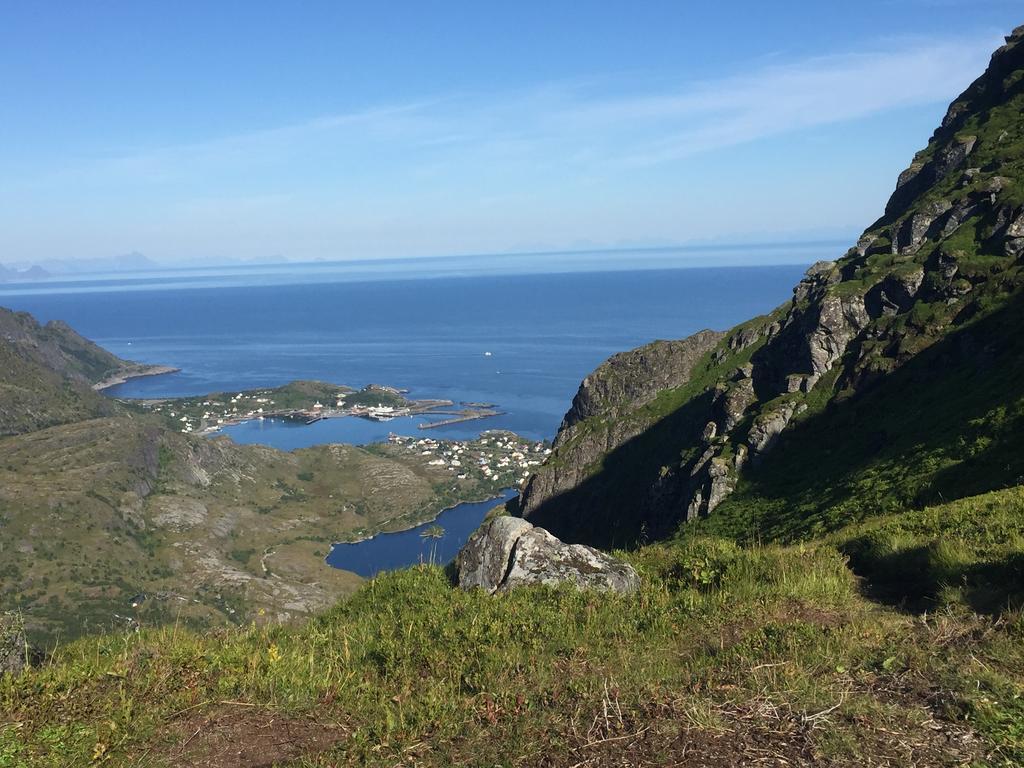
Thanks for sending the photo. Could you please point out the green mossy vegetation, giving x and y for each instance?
(828, 651)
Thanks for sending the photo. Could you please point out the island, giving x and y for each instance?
(307, 402)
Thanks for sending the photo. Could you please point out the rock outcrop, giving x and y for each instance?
(508, 552)
(15, 652)
(619, 387)
(946, 248)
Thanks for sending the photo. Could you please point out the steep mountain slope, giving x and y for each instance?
(95, 512)
(892, 377)
(47, 374)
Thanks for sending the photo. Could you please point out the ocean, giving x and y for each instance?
(521, 338)
(521, 341)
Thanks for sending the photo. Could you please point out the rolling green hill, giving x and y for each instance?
(95, 513)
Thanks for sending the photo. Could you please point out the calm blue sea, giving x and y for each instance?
(520, 338)
(544, 333)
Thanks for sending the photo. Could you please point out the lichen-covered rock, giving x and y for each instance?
(14, 650)
(506, 553)
(963, 210)
(911, 233)
(722, 482)
(1015, 228)
(734, 402)
(540, 558)
(767, 428)
(483, 561)
(1014, 246)
(895, 294)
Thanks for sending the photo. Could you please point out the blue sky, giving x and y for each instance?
(309, 130)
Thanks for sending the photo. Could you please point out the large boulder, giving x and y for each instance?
(508, 552)
(483, 561)
(14, 650)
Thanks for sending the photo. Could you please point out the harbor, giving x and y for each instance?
(309, 403)
(460, 417)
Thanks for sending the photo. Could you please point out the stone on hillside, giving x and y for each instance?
(909, 236)
(722, 483)
(840, 319)
(767, 427)
(734, 402)
(483, 561)
(14, 650)
(508, 552)
(1014, 247)
(745, 371)
(1016, 227)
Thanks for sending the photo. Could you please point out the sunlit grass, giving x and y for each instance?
(717, 634)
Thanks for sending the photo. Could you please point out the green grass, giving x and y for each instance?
(969, 552)
(773, 646)
(916, 438)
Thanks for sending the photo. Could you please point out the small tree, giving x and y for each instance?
(434, 533)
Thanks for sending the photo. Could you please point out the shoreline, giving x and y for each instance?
(415, 525)
(123, 376)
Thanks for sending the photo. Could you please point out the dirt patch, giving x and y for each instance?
(795, 610)
(755, 732)
(247, 738)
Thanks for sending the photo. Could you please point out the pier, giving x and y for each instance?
(458, 417)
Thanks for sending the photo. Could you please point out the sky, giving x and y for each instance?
(198, 132)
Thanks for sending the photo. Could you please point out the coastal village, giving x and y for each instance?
(495, 461)
(308, 402)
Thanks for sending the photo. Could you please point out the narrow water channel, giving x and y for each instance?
(388, 551)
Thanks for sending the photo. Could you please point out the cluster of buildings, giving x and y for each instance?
(499, 456)
(215, 414)
(378, 412)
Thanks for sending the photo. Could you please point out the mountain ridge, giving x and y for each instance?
(945, 253)
(50, 374)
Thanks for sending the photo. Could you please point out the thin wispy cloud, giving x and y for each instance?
(570, 124)
(468, 169)
(792, 97)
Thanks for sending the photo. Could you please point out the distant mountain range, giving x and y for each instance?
(10, 275)
(128, 262)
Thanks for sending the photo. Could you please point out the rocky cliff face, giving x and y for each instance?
(604, 413)
(664, 433)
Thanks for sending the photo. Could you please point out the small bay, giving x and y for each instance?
(388, 551)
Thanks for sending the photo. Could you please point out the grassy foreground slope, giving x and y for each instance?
(729, 655)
